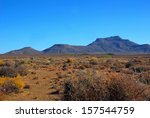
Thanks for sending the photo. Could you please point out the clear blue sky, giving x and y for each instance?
(42, 23)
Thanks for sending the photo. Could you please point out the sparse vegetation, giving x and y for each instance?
(75, 77)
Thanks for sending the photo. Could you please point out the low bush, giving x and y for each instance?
(10, 85)
(93, 60)
(118, 91)
(87, 87)
(7, 71)
(129, 64)
(145, 78)
(85, 90)
(100, 89)
(21, 70)
(2, 62)
(70, 60)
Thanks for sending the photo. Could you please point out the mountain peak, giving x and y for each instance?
(110, 38)
(115, 37)
(27, 48)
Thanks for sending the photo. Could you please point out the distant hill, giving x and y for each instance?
(24, 51)
(114, 44)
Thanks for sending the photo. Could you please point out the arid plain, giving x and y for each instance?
(75, 78)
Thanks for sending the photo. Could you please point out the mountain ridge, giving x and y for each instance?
(113, 44)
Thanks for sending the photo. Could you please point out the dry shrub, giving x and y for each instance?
(144, 78)
(111, 62)
(6, 71)
(140, 69)
(93, 60)
(129, 64)
(119, 90)
(124, 89)
(19, 62)
(9, 63)
(90, 88)
(87, 87)
(70, 60)
(21, 70)
(2, 62)
(10, 85)
(85, 90)
(18, 82)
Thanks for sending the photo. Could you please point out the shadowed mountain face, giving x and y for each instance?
(114, 44)
(24, 51)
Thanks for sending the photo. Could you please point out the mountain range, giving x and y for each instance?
(113, 44)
